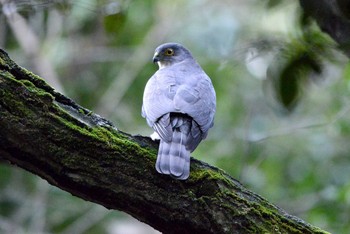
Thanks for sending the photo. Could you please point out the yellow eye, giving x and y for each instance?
(169, 52)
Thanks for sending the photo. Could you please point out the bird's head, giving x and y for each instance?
(170, 53)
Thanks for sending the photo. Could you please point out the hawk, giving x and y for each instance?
(179, 103)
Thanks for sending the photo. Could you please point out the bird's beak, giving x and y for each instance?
(156, 58)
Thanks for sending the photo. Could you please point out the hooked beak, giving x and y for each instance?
(156, 58)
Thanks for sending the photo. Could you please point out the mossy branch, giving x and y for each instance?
(76, 150)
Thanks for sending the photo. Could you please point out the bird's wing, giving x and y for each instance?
(158, 103)
(178, 90)
(197, 99)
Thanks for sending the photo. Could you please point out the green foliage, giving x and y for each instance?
(296, 64)
(273, 3)
(113, 23)
(298, 161)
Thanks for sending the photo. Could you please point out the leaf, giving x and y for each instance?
(113, 23)
(273, 3)
(290, 71)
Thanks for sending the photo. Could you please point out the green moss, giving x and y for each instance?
(39, 91)
(224, 189)
(117, 141)
(9, 99)
(8, 76)
(273, 218)
(38, 88)
(44, 96)
(71, 125)
(33, 77)
(113, 136)
(82, 111)
(198, 174)
(88, 114)
(106, 135)
(28, 84)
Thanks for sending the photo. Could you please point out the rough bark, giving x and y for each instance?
(76, 150)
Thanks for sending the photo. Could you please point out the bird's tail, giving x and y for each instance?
(173, 157)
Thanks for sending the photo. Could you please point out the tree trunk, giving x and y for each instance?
(76, 150)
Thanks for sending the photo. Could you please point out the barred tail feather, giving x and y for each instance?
(179, 156)
(163, 162)
(173, 157)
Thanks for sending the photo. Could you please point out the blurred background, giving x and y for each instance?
(282, 126)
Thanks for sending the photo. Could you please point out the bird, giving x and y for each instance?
(179, 103)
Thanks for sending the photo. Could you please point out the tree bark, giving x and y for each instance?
(72, 148)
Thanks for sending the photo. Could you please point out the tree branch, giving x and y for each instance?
(332, 16)
(76, 150)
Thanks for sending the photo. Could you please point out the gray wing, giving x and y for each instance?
(198, 101)
(180, 90)
(156, 100)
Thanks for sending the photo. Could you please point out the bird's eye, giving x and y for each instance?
(169, 52)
